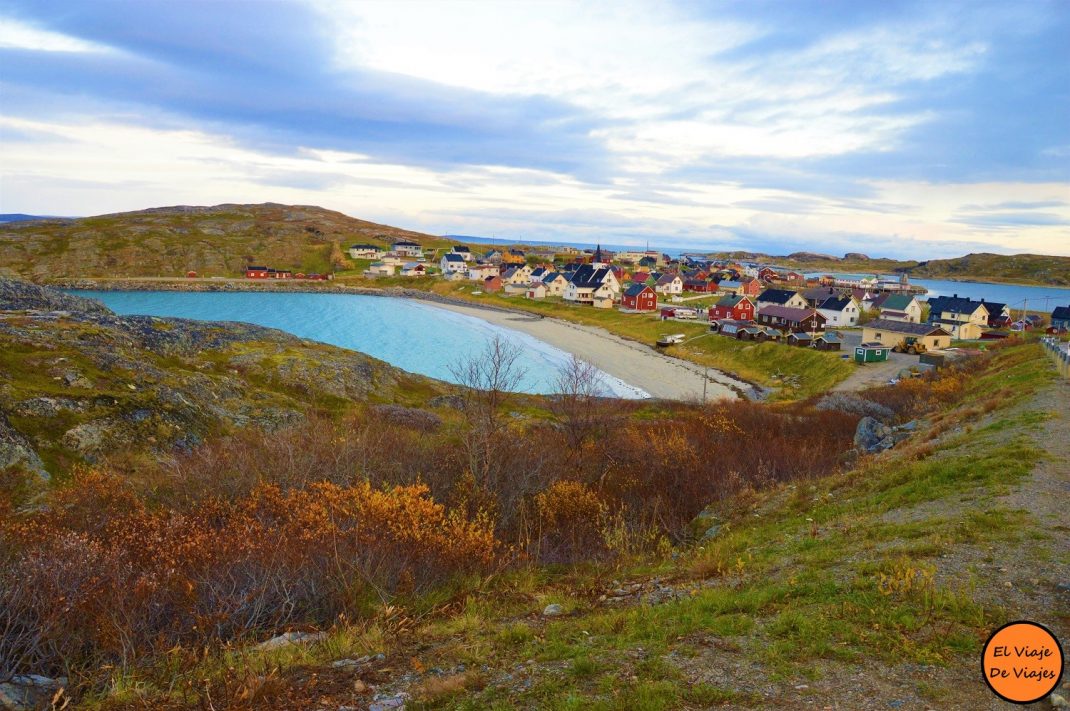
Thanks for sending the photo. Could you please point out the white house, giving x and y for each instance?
(365, 251)
(452, 263)
(380, 269)
(414, 269)
(588, 284)
(555, 283)
(479, 272)
(518, 275)
(901, 307)
(408, 249)
(463, 252)
(537, 290)
(392, 258)
(841, 311)
(669, 284)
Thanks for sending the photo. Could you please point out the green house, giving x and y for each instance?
(871, 353)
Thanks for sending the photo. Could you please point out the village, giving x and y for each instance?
(871, 319)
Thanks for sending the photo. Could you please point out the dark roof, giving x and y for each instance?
(365, 246)
(789, 313)
(829, 337)
(731, 300)
(256, 269)
(406, 244)
(776, 296)
(635, 289)
(667, 279)
(953, 304)
(589, 277)
(912, 329)
(453, 257)
(821, 292)
(1061, 312)
(460, 248)
(897, 302)
(835, 303)
(994, 307)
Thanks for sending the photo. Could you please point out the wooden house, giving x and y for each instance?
(639, 297)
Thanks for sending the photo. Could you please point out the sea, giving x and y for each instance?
(412, 335)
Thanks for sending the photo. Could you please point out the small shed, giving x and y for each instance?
(829, 341)
(871, 353)
(191, 274)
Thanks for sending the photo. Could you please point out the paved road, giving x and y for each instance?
(871, 374)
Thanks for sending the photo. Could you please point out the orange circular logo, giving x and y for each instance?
(1022, 662)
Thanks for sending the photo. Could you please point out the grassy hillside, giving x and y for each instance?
(78, 384)
(866, 588)
(169, 241)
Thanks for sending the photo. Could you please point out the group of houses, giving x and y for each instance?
(260, 272)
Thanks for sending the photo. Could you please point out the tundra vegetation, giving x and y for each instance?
(143, 579)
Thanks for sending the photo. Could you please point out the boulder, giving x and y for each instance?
(869, 433)
(705, 525)
(17, 451)
(29, 691)
(287, 639)
(553, 610)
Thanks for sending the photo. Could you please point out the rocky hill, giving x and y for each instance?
(78, 382)
(170, 241)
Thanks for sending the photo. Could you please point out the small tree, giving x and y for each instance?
(490, 379)
(577, 404)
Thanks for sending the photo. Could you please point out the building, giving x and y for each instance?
(871, 353)
(365, 251)
(464, 252)
(517, 275)
(380, 269)
(252, 272)
(514, 256)
(555, 283)
(999, 315)
(698, 286)
(1060, 318)
(962, 318)
(452, 263)
(900, 307)
(492, 284)
(787, 318)
(818, 294)
(669, 284)
(479, 271)
(588, 282)
(536, 290)
(780, 297)
(840, 311)
(408, 249)
(735, 308)
(828, 341)
(639, 297)
(414, 269)
(892, 333)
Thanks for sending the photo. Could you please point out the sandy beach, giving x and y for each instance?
(636, 364)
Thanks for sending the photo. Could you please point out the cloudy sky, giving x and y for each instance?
(901, 129)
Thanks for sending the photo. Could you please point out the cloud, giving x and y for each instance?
(928, 126)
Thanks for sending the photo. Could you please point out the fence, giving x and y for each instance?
(1059, 352)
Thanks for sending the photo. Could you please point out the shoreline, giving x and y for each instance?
(637, 365)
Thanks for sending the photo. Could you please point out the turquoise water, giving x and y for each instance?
(412, 335)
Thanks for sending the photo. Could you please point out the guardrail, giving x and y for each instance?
(1059, 352)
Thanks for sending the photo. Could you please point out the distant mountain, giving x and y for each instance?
(1013, 268)
(169, 241)
(22, 217)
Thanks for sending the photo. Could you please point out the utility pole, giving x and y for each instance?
(705, 379)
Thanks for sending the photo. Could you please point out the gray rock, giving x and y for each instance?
(350, 663)
(908, 426)
(23, 296)
(553, 610)
(1057, 701)
(17, 451)
(290, 638)
(389, 703)
(705, 525)
(29, 691)
(869, 433)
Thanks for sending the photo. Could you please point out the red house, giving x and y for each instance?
(767, 274)
(639, 297)
(751, 287)
(736, 308)
(696, 285)
(492, 284)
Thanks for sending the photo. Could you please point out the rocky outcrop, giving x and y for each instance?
(20, 295)
(26, 692)
(872, 436)
(18, 452)
(80, 382)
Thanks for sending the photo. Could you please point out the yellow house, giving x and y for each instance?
(513, 256)
(891, 333)
(962, 318)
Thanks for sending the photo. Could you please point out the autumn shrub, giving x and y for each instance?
(134, 581)
(569, 521)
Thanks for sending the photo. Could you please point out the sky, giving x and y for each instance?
(902, 129)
